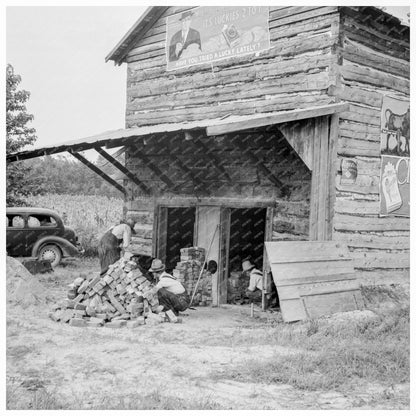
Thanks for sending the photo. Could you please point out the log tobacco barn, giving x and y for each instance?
(282, 143)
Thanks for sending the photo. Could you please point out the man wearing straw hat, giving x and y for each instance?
(255, 287)
(171, 293)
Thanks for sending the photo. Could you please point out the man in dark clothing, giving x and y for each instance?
(109, 245)
(184, 38)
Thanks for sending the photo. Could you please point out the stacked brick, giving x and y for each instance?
(187, 271)
(122, 297)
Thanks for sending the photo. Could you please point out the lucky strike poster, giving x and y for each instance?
(395, 158)
(208, 34)
(395, 186)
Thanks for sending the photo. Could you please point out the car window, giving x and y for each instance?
(15, 221)
(36, 220)
(33, 222)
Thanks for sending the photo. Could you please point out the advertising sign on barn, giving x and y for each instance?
(395, 158)
(207, 34)
(395, 186)
(395, 127)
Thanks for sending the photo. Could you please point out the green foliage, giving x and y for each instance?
(18, 135)
(62, 175)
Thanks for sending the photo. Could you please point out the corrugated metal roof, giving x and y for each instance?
(230, 123)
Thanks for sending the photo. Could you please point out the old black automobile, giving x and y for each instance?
(39, 233)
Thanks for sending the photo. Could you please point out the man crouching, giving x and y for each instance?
(171, 293)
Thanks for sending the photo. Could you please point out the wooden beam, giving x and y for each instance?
(123, 169)
(146, 160)
(281, 117)
(216, 162)
(256, 161)
(115, 155)
(31, 154)
(198, 183)
(332, 172)
(98, 171)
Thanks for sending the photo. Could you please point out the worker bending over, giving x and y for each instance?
(171, 293)
(113, 241)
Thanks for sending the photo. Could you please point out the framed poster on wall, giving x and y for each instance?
(395, 158)
(207, 34)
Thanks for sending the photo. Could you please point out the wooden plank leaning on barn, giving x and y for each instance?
(313, 278)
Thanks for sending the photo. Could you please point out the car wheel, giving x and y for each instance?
(51, 253)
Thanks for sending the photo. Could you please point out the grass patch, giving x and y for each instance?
(375, 350)
(40, 399)
(156, 401)
(19, 352)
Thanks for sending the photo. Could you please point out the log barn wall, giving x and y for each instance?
(318, 55)
(374, 61)
(294, 73)
(202, 181)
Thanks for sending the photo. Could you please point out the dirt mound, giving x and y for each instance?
(22, 287)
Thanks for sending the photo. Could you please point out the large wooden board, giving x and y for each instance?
(313, 278)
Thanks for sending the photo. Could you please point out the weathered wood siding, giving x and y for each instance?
(374, 61)
(246, 183)
(294, 73)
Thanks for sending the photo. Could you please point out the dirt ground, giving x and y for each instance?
(98, 368)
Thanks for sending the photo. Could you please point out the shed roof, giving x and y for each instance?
(152, 14)
(218, 126)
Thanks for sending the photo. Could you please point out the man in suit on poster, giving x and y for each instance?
(184, 38)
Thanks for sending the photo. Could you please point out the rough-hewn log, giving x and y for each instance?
(380, 260)
(344, 222)
(277, 103)
(365, 75)
(371, 241)
(352, 147)
(356, 95)
(376, 40)
(247, 91)
(362, 55)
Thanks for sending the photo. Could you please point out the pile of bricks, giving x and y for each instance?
(122, 297)
(236, 289)
(187, 272)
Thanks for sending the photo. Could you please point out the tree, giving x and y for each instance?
(18, 135)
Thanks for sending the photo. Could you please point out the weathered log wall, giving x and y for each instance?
(225, 173)
(318, 55)
(294, 73)
(374, 61)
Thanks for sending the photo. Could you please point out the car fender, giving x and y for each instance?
(68, 249)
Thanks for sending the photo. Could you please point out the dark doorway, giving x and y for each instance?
(247, 228)
(180, 233)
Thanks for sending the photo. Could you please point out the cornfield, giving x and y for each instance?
(89, 215)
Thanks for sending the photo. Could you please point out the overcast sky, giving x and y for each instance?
(59, 52)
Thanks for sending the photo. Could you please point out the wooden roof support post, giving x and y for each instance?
(98, 171)
(216, 162)
(122, 168)
(198, 183)
(323, 178)
(146, 160)
(240, 142)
